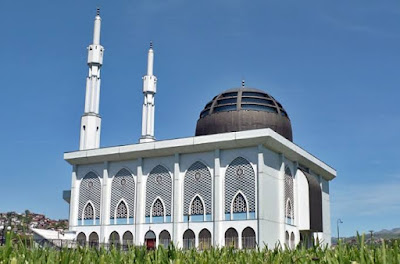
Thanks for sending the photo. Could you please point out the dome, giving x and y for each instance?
(242, 109)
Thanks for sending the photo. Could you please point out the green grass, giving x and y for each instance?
(19, 252)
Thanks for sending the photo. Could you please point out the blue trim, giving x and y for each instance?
(239, 216)
(147, 219)
(227, 216)
(208, 217)
(158, 219)
(197, 218)
(252, 215)
(168, 219)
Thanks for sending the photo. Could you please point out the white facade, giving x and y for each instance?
(243, 188)
(268, 154)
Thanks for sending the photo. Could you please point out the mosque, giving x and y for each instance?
(240, 181)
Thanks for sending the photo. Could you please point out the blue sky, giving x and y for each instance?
(334, 65)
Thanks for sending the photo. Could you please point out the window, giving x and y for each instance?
(289, 182)
(158, 208)
(254, 94)
(89, 212)
(259, 108)
(159, 185)
(89, 193)
(197, 207)
(257, 100)
(224, 108)
(239, 204)
(122, 211)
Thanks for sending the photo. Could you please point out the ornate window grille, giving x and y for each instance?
(158, 208)
(122, 210)
(289, 182)
(197, 207)
(239, 204)
(89, 212)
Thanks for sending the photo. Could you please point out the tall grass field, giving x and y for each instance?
(20, 252)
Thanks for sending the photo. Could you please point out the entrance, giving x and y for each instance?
(150, 240)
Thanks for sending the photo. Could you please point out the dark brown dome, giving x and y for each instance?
(242, 109)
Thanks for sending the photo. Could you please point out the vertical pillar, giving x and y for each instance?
(140, 203)
(281, 199)
(74, 201)
(105, 204)
(218, 208)
(260, 172)
(177, 202)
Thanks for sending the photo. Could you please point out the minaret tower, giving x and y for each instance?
(149, 90)
(91, 120)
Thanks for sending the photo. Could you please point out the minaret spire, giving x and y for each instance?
(91, 120)
(149, 90)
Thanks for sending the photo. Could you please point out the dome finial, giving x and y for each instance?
(243, 83)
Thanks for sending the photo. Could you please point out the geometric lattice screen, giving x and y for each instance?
(90, 190)
(197, 182)
(123, 187)
(289, 202)
(159, 184)
(240, 176)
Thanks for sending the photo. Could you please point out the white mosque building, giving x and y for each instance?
(240, 181)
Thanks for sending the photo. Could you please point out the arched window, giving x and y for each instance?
(93, 239)
(197, 207)
(198, 182)
(248, 238)
(127, 239)
(287, 239)
(81, 239)
(165, 238)
(114, 239)
(292, 241)
(231, 238)
(150, 240)
(158, 208)
(289, 182)
(159, 184)
(189, 239)
(89, 190)
(240, 176)
(122, 211)
(239, 204)
(123, 188)
(89, 212)
(204, 239)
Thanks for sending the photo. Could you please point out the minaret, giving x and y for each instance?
(91, 120)
(149, 90)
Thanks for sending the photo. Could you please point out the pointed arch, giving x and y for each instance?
(114, 239)
(81, 239)
(239, 177)
(197, 206)
(127, 238)
(239, 203)
(248, 238)
(93, 239)
(89, 211)
(123, 188)
(89, 190)
(204, 239)
(189, 239)
(231, 238)
(159, 184)
(289, 195)
(122, 210)
(164, 238)
(197, 181)
(157, 211)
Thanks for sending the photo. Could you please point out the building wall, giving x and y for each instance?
(268, 222)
